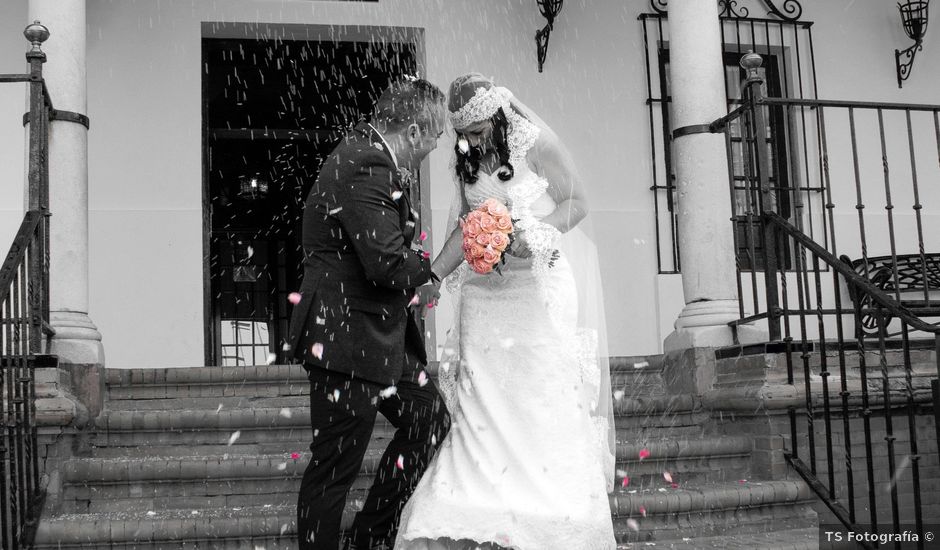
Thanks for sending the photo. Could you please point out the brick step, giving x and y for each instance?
(686, 460)
(250, 399)
(712, 509)
(705, 510)
(786, 539)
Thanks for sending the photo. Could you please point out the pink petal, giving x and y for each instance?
(632, 524)
(675, 485)
(423, 236)
(400, 463)
(430, 305)
(294, 298)
(295, 455)
(644, 453)
(414, 301)
(626, 481)
(426, 254)
(317, 350)
(643, 511)
(422, 378)
(667, 476)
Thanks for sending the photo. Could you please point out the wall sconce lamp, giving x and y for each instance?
(550, 10)
(914, 20)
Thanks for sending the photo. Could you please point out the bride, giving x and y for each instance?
(529, 459)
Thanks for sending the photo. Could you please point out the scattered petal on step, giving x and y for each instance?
(667, 476)
(641, 364)
(643, 511)
(632, 524)
(388, 392)
(422, 378)
(267, 505)
(625, 482)
(742, 481)
(282, 466)
(294, 298)
(151, 513)
(195, 512)
(618, 395)
(400, 463)
(295, 455)
(686, 539)
(633, 492)
(284, 528)
(675, 485)
(662, 489)
(317, 350)
(219, 409)
(644, 453)
(234, 437)
(621, 473)
(285, 412)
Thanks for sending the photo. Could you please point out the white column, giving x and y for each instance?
(706, 243)
(77, 341)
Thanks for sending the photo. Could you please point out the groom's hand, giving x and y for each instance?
(427, 297)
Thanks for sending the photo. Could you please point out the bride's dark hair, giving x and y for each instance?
(468, 164)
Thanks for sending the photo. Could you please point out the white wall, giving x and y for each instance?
(144, 86)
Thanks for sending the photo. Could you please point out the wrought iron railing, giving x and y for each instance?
(24, 326)
(860, 329)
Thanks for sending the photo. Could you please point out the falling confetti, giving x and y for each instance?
(641, 365)
(388, 392)
(425, 254)
(282, 466)
(294, 298)
(667, 476)
(675, 485)
(423, 236)
(396, 195)
(430, 305)
(422, 378)
(643, 511)
(317, 350)
(234, 437)
(295, 455)
(272, 358)
(334, 397)
(285, 412)
(632, 524)
(463, 145)
(400, 463)
(618, 395)
(219, 409)
(414, 301)
(644, 453)
(433, 439)
(151, 513)
(626, 481)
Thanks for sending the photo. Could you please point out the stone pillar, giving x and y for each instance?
(706, 242)
(77, 342)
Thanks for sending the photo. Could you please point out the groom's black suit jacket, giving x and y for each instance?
(359, 269)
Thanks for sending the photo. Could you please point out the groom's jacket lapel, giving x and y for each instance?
(359, 269)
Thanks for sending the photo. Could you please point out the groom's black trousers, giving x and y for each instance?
(342, 429)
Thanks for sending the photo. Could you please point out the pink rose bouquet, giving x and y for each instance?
(486, 235)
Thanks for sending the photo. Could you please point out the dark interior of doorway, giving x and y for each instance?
(272, 110)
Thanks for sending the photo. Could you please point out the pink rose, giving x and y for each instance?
(481, 266)
(476, 250)
(474, 216)
(489, 205)
(487, 223)
(473, 228)
(499, 241)
(490, 255)
(483, 239)
(467, 242)
(497, 209)
(504, 222)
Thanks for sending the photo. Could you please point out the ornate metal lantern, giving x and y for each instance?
(914, 20)
(252, 186)
(549, 10)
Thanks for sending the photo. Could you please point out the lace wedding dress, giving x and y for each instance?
(524, 464)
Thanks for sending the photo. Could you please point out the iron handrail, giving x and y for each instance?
(17, 253)
(851, 277)
(888, 106)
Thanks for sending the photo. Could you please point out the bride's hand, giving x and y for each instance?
(520, 245)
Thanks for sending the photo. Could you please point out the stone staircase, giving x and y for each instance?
(212, 458)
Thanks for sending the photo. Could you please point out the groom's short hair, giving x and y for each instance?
(408, 100)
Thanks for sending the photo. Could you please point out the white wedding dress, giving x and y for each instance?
(524, 464)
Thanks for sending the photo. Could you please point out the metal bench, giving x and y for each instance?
(918, 285)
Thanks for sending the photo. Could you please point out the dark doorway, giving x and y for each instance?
(272, 110)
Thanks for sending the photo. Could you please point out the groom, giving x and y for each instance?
(354, 327)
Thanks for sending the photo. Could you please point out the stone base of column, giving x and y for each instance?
(705, 325)
(81, 375)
